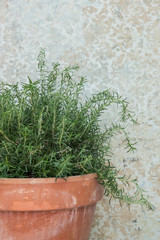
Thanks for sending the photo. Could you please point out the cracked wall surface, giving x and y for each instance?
(117, 45)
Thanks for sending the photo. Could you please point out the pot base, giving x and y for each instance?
(67, 224)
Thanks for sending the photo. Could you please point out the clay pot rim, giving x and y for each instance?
(77, 178)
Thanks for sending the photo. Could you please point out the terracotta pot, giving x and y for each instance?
(45, 209)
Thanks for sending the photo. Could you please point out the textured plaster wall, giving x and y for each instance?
(117, 44)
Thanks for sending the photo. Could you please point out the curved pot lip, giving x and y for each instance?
(77, 178)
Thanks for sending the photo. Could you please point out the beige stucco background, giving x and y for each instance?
(117, 45)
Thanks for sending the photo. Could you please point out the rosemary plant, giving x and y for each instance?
(46, 131)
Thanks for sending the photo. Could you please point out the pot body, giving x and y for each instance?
(46, 209)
